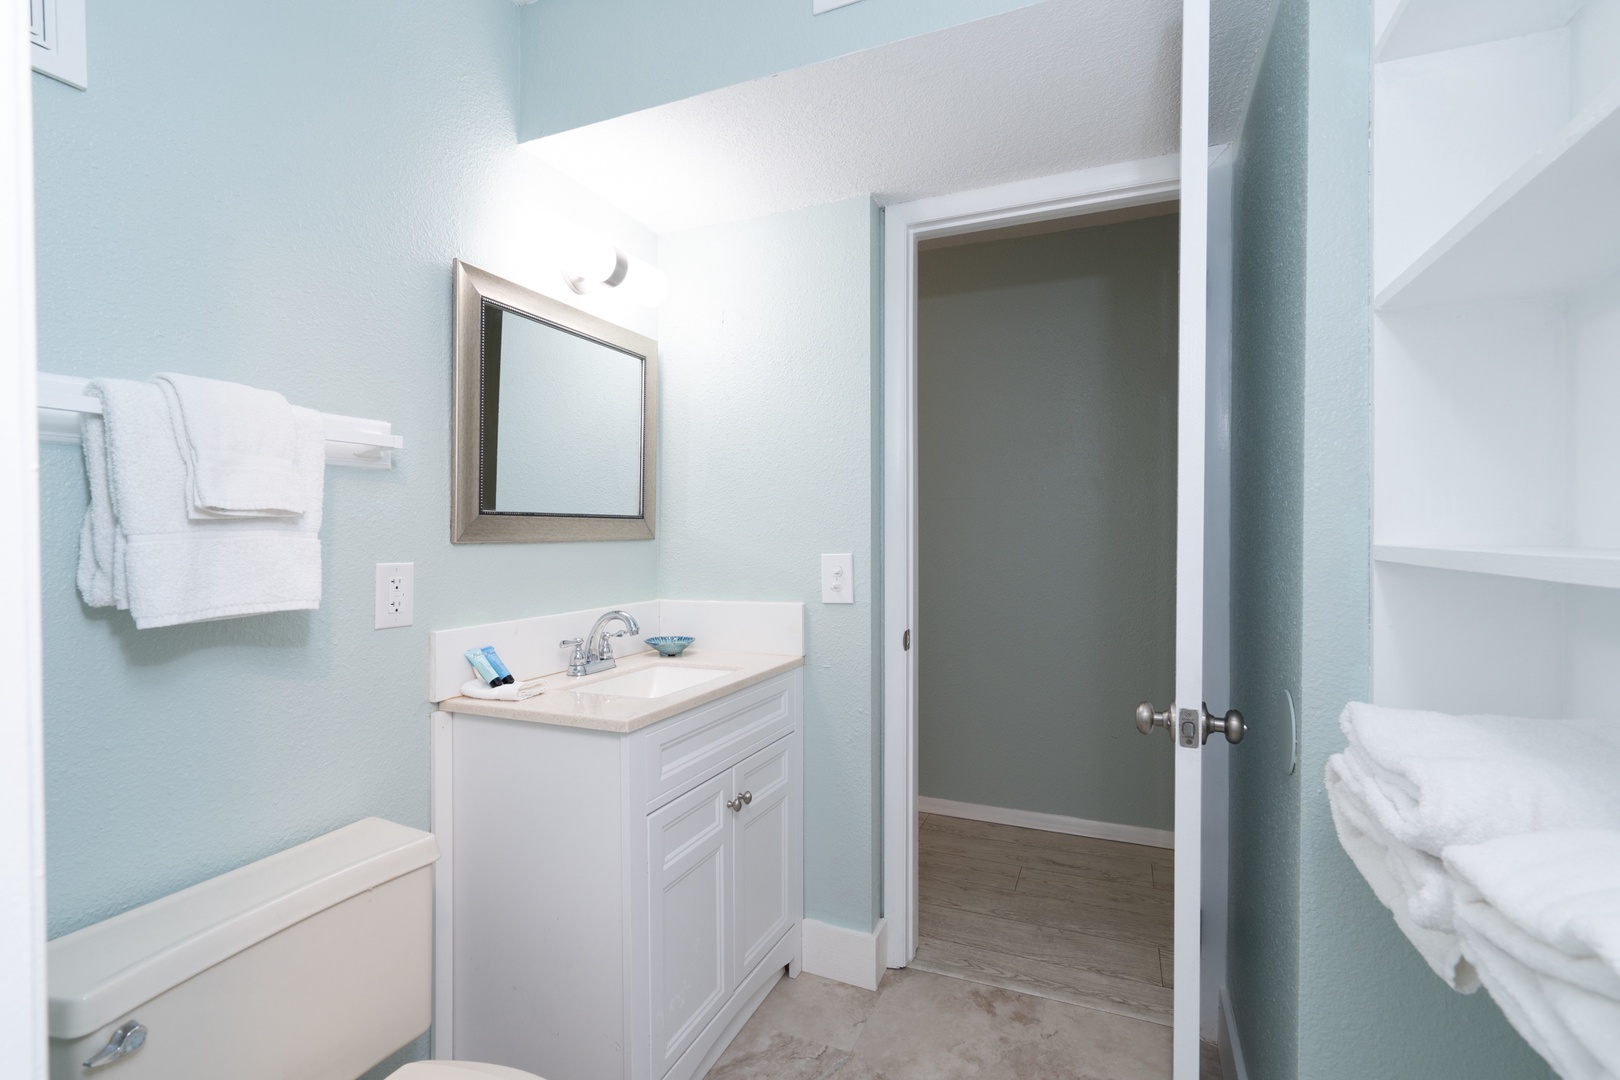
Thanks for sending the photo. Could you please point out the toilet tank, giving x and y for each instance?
(315, 963)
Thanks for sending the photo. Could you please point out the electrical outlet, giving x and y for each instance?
(837, 579)
(396, 594)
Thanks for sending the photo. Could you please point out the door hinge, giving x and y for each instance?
(905, 641)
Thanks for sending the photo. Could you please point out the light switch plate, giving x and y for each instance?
(396, 594)
(837, 579)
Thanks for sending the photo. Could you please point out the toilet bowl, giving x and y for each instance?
(315, 962)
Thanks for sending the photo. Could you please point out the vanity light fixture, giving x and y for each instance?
(592, 265)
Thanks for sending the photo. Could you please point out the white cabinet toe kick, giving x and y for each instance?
(617, 905)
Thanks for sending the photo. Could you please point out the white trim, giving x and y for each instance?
(22, 807)
(1106, 188)
(440, 790)
(1233, 1067)
(846, 956)
(1054, 823)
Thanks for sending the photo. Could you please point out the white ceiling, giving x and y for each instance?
(1057, 86)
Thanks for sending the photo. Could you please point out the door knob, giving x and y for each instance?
(1231, 725)
(1147, 719)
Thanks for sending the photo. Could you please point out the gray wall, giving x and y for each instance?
(1323, 984)
(1046, 520)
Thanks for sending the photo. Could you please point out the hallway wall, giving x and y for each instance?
(1046, 445)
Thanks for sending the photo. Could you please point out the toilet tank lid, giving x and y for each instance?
(101, 972)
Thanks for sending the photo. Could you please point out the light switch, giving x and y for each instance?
(837, 579)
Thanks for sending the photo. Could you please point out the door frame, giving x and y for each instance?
(22, 812)
(1110, 187)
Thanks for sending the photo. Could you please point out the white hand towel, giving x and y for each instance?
(240, 447)
(1408, 882)
(1439, 780)
(177, 570)
(517, 691)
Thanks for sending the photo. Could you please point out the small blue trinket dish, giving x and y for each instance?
(669, 646)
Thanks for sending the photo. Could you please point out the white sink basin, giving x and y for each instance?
(655, 681)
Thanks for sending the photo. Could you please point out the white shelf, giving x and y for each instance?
(1425, 26)
(1598, 567)
(1552, 227)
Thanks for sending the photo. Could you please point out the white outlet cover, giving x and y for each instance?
(838, 579)
(396, 594)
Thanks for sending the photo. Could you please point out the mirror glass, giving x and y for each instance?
(561, 420)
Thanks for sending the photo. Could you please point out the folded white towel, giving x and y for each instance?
(517, 691)
(1546, 1012)
(1410, 883)
(166, 567)
(1550, 899)
(240, 447)
(1438, 780)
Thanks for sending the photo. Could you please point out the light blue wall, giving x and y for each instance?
(590, 60)
(1046, 501)
(1324, 986)
(768, 377)
(274, 193)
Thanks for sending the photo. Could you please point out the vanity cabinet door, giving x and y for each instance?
(689, 886)
(763, 878)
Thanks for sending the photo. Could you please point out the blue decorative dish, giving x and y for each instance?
(669, 646)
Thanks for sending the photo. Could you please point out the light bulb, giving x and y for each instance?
(590, 264)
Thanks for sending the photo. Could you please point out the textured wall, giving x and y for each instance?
(1046, 520)
(584, 60)
(1267, 508)
(768, 397)
(241, 197)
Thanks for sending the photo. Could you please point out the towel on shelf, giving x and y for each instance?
(517, 691)
(239, 445)
(1411, 784)
(1540, 913)
(166, 567)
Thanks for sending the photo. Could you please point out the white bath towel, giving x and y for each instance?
(1439, 780)
(99, 531)
(1412, 884)
(1540, 915)
(240, 447)
(168, 568)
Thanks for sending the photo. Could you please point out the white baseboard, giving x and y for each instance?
(846, 956)
(1029, 819)
(1233, 1066)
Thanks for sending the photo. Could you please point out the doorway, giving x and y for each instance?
(1046, 503)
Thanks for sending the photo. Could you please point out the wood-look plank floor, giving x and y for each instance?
(1063, 917)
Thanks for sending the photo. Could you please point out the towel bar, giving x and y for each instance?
(350, 440)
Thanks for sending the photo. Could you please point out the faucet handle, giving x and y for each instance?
(576, 662)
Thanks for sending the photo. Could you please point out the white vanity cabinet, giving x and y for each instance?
(617, 904)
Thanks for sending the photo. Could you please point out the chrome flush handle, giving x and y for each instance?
(129, 1037)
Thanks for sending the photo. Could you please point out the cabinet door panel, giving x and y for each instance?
(690, 886)
(762, 895)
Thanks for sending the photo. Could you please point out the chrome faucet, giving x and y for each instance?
(594, 652)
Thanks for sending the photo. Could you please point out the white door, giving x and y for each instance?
(689, 882)
(762, 824)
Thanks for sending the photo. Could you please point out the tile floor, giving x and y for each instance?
(1040, 957)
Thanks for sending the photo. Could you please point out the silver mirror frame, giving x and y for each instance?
(468, 525)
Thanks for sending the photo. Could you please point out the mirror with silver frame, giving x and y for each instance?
(555, 419)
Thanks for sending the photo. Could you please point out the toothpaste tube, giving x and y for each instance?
(495, 662)
(481, 664)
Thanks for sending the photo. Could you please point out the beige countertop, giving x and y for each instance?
(568, 702)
